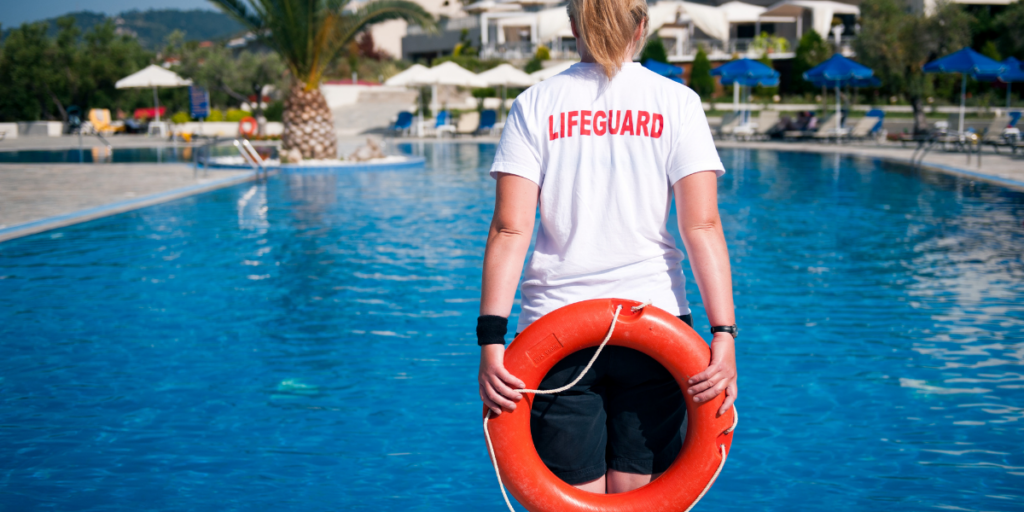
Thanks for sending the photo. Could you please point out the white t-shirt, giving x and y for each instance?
(605, 154)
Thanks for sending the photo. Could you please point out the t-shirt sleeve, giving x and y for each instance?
(694, 149)
(517, 151)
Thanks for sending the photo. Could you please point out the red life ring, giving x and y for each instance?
(248, 126)
(650, 330)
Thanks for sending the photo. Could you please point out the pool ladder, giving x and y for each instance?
(245, 149)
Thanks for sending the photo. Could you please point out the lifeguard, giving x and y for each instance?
(603, 149)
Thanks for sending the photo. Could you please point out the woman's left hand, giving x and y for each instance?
(720, 375)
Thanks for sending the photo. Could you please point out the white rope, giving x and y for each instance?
(713, 478)
(611, 330)
(579, 377)
(487, 434)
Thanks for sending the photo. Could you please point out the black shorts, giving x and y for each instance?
(624, 414)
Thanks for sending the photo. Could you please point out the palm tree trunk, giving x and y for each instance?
(308, 123)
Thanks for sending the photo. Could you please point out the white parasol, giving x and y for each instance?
(153, 76)
(504, 76)
(546, 73)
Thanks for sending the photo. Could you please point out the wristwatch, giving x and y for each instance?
(731, 329)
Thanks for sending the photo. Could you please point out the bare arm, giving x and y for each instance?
(515, 208)
(701, 229)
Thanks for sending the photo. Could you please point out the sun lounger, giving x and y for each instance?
(825, 130)
(443, 124)
(402, 124)
(730, 121)
(829, 128)
(993, 135)
(487, 120)
(862, 128)
(101, 122)
(468, 123)
(766, 120)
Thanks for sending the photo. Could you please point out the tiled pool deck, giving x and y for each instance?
(40, 197)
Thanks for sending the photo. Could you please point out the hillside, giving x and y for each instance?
(152, 27)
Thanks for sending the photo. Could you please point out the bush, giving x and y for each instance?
(215, 116)
(654, 50)
(701, 80)
(180, 118)
(274, 111)
(235, 115)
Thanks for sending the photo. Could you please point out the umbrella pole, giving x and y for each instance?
(963, 101)
(839, 113)
(504, 93)
(156, 103)
(1009, 85)
(736, 96)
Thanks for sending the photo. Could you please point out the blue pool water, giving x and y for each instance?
(307, 344)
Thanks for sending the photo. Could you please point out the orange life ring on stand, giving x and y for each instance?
(248, 126)
(650, 330)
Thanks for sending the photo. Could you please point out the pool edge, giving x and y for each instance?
(68, 219)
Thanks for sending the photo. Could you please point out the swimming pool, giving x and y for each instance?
(308, 344)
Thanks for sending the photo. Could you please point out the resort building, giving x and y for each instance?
(514, 29)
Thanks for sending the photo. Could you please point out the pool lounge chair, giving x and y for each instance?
(402, 124)
(443, 124)
(993, 135)
(468, 123)
(863, 128)
(826, 129)
(766, 120)
(487, 120)
(730, 121)
(100, 120)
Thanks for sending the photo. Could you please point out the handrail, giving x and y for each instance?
(254, 154)
(201, 156)
(105, 141)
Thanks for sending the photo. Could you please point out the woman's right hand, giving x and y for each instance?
(497, 385)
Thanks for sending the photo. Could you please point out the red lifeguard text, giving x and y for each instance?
(601, 122)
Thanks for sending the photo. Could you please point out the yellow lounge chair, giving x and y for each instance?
(100, 119)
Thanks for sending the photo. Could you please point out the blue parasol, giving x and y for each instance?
(838, 71)
(1012, 75)
(966, 62)
(669, 71)
(746, 72)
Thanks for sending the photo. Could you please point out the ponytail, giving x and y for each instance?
(606, 28)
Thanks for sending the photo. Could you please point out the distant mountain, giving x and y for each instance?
(152, 27)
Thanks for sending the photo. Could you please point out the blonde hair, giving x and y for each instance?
(607, 27)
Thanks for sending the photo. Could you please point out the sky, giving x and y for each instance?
(16, 12)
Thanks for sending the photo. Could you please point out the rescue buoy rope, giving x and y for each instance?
(611, 330)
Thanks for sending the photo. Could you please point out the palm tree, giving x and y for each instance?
(308, 34)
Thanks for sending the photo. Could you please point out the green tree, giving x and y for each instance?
(701, 80)
(654, 50)
(1008, 25)
(766, 92)
(810, 51)
(537, 62)
(897, 44)
(230, 79)
(308, 35)
(26, 79)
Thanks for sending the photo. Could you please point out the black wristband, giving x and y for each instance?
(491, 329)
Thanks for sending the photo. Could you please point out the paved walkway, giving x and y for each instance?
(40, 197)
(1003, 169)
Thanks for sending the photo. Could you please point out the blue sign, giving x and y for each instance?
(198, 102)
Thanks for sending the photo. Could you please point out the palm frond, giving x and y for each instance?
(240, 12)
(377, 11)
(308, 34)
